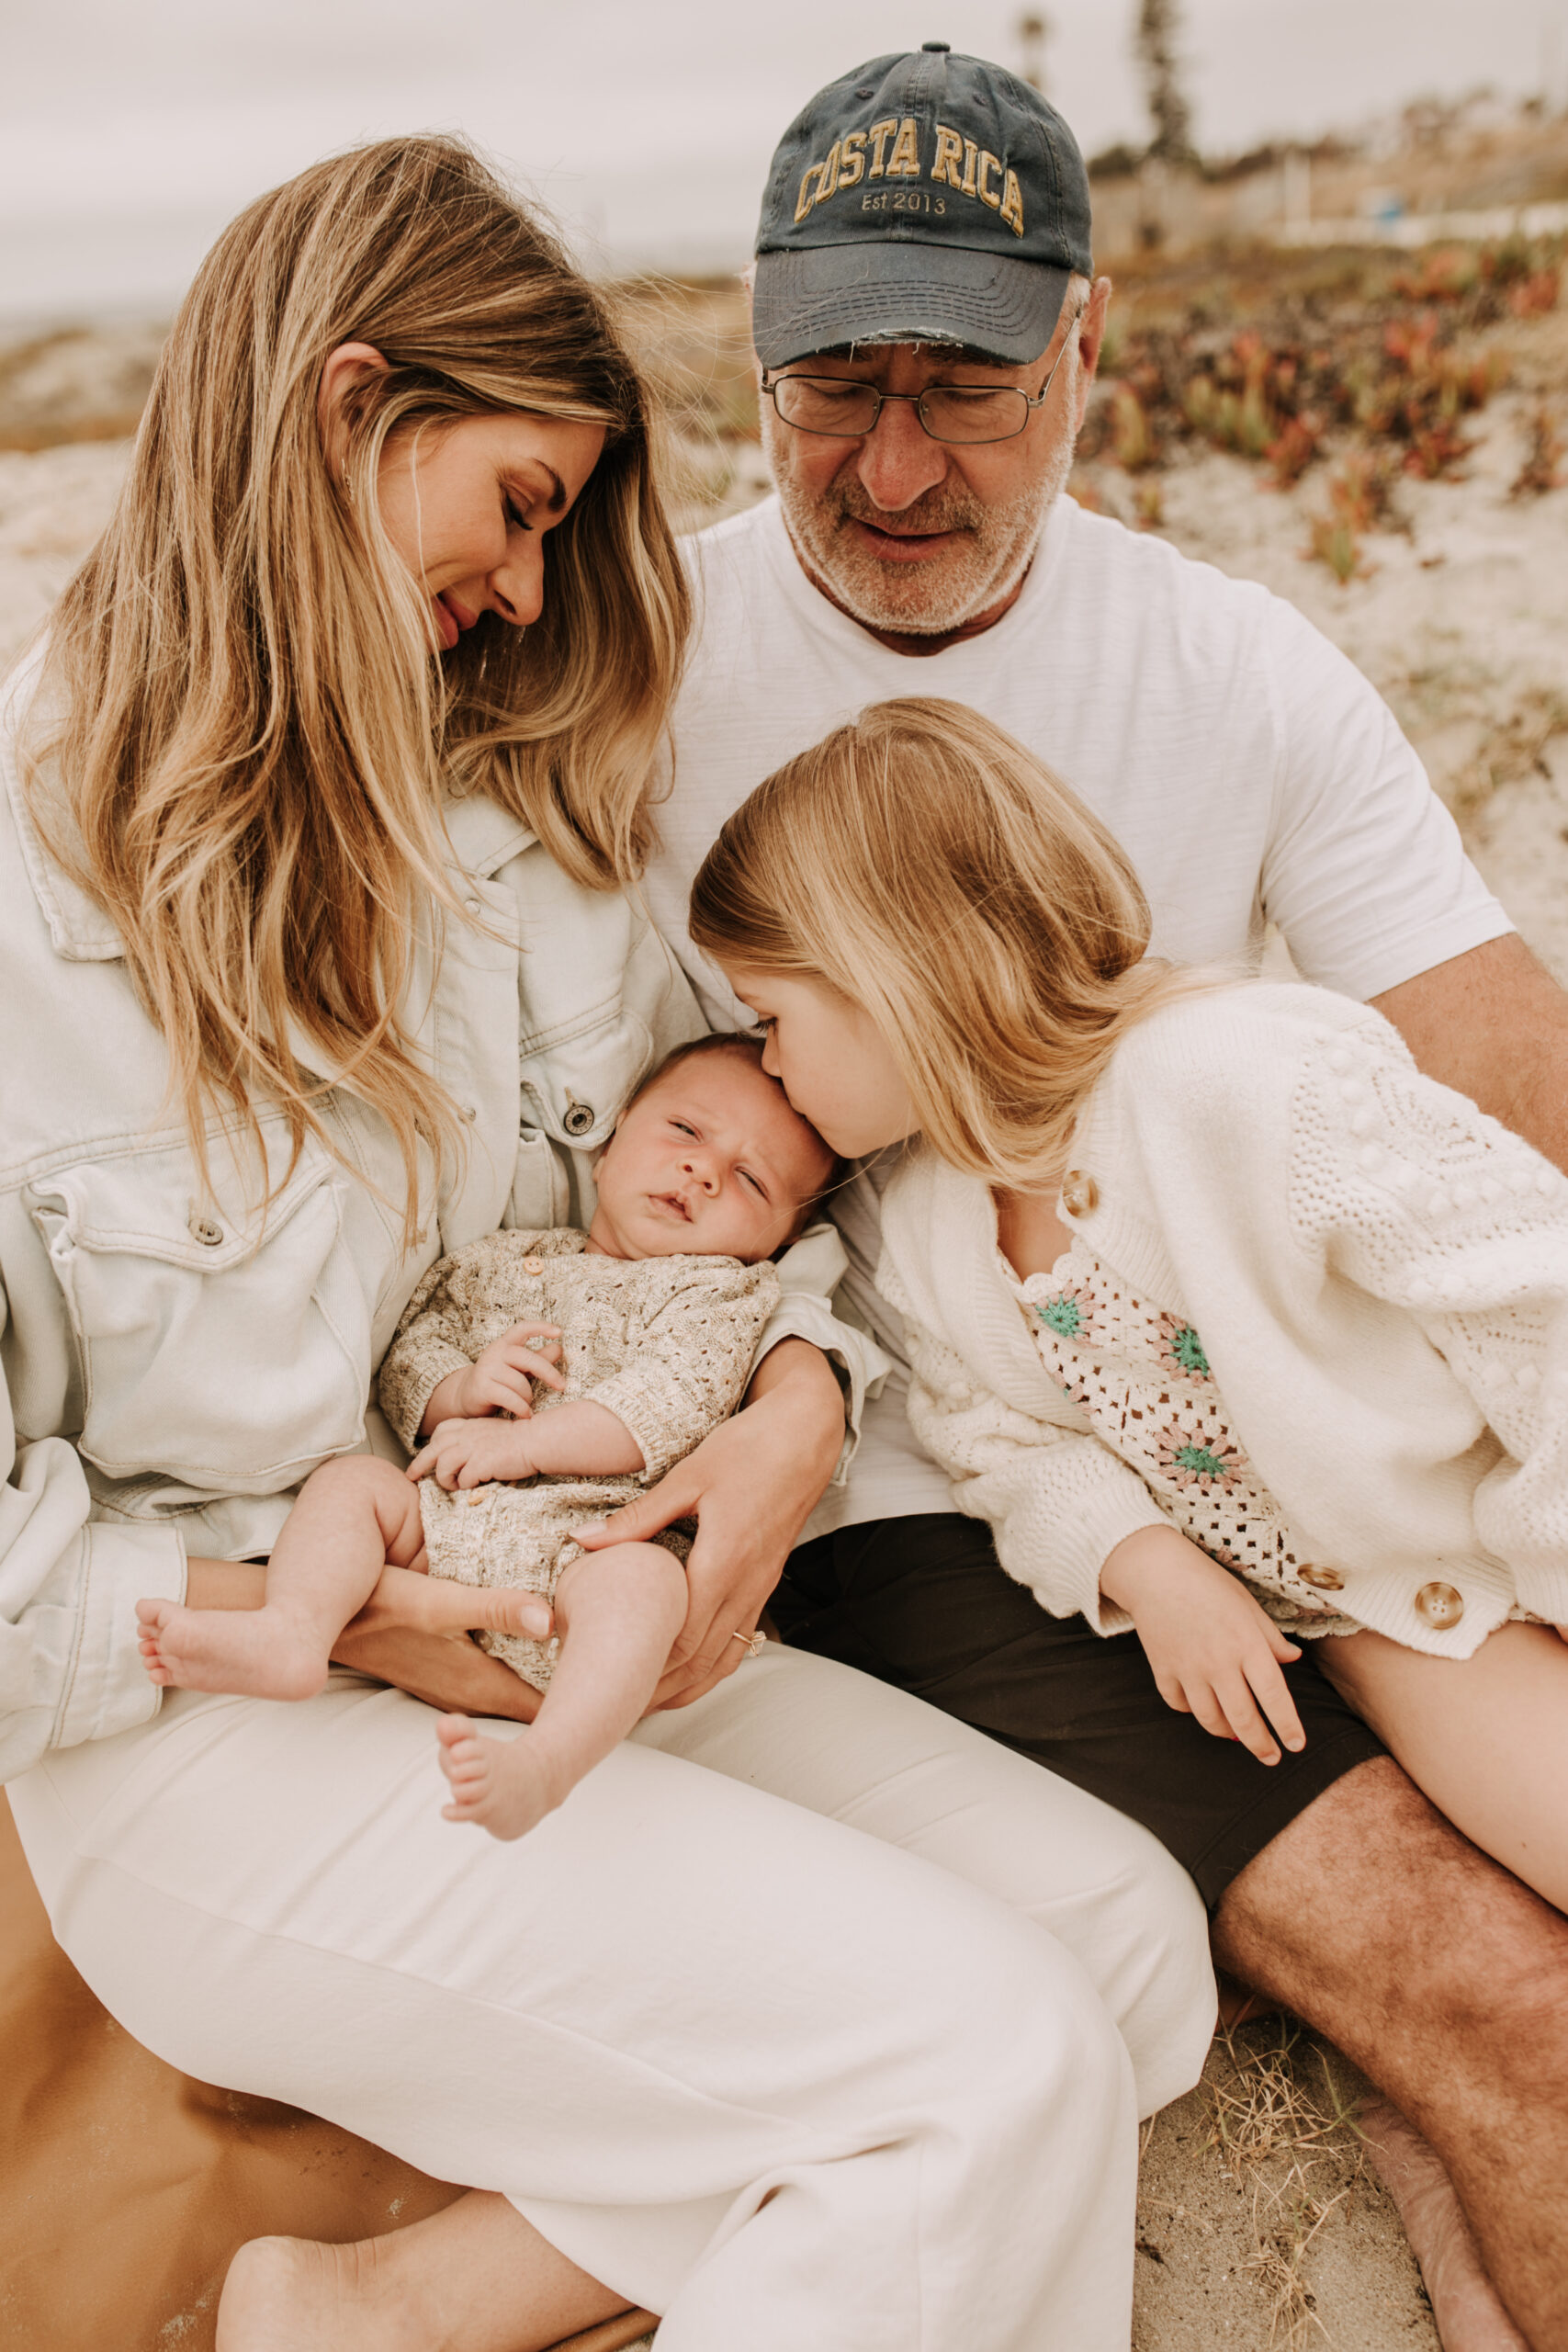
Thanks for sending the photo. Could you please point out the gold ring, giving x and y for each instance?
(755, 1643)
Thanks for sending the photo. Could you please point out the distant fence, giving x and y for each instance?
(1178, 211)
(1409, 229)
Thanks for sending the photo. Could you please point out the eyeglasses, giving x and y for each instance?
(843, 408)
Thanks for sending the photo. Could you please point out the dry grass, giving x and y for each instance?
(1279, 2116)
(1543, 468)
(1508, 753)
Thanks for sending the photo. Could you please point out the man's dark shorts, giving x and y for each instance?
(924, 1603)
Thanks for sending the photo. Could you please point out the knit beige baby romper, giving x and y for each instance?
(664, 1343)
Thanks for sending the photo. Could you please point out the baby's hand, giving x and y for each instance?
(471, 1453)
(1215, 1653)
(501, 1376)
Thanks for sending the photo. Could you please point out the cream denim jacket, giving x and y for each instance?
(176, 1363)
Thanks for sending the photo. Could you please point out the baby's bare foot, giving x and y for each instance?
(258, 1653)
(501, 1785)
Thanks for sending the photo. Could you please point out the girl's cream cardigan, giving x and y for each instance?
(1380, 1274)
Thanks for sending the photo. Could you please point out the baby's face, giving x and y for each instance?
(711, 1160)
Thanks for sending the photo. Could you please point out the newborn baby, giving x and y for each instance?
(654, 1314)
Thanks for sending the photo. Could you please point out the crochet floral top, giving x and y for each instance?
(1144, 1380)
(1312, 1309)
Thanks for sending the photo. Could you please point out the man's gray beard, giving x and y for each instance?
(927, 599)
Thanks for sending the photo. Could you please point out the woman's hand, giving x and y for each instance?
(1215, 1653)
(500, 1378)
(473, 1453)
(751, 1487)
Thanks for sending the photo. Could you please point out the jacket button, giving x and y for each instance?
(579, 1119)
(1080, 1193)
(206, 1229)
(1320, 1579)
(1439, 1604)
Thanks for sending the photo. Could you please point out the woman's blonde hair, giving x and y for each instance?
(931, 869)
(244, 739)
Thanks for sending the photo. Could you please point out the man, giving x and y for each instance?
(928, 323)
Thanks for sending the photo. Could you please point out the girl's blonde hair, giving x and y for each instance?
(931, 869)
(243, 738)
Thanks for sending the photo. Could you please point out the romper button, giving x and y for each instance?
(1080, 1193)
(206, 1230)
(1439, 1604)
(475, 1499)
(1321, 1579)
(533, 1265)
(579, 1119)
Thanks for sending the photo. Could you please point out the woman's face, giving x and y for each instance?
(830, 1058)
(465, 502)
(467, 506)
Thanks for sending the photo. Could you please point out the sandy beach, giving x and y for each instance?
(1259, 2226)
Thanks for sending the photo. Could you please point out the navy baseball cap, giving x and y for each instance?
(926, 198)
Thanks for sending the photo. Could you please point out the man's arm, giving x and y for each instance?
(1493, 1023)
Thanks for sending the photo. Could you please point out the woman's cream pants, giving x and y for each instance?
(772, 2068)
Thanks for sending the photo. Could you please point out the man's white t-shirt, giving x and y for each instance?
(1249, 769)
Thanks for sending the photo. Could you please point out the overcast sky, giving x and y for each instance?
(131, 130)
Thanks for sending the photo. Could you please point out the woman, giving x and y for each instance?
(320, 814)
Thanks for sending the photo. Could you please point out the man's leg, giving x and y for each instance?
(1446, 1982)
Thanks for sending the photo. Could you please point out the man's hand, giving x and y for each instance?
(500, 1378)
(472, 1453)
(750, 1486)
(1215, 1653)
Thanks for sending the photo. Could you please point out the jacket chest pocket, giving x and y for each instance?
(229, 1351)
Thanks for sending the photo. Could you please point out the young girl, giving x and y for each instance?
(660, 1305)
(1234, 1327)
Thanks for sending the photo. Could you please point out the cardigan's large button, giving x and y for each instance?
(578, 1119)
(1320, 1579)
(1440, 1605)
(1080, 1193)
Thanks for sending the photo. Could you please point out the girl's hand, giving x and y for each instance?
(472, 1453)
(500, 1378)
(1215, 1653)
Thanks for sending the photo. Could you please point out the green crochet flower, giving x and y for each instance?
(1062, 1316)
(1200, 1462)
(1186, 1351)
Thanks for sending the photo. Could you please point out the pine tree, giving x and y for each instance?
(1159, 29)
